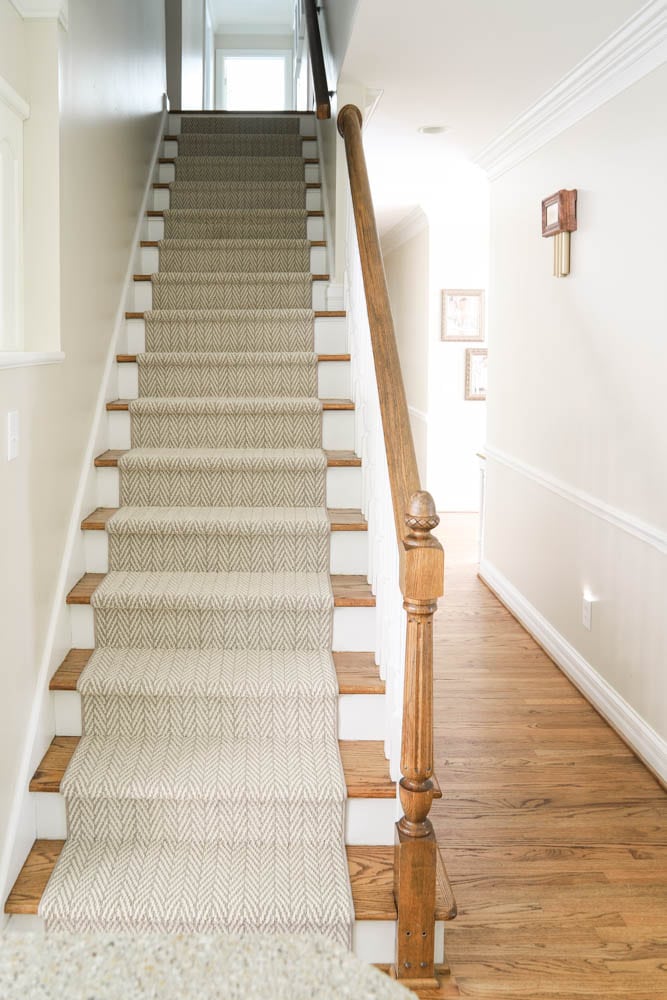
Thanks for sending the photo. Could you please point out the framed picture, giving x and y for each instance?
(476, 367)
(559, 213)
(462, 314)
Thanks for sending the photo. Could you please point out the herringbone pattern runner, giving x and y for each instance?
(206, 793)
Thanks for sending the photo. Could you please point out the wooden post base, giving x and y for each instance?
(441, 982)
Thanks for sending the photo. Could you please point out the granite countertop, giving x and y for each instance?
(70, 967)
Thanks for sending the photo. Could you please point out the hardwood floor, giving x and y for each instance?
(554, 835)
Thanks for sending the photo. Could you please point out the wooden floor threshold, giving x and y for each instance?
(337, 459)
(357, 673)
(365, 767)
(349, 590)
(371, 878)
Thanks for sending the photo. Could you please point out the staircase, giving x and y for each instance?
(218, 762)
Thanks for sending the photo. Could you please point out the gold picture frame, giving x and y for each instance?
(476, 373)
(462, 316)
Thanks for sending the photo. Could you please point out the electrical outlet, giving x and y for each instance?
(587, 611)
(12, 435)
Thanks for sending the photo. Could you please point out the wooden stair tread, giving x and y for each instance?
(371, 877)
(129, 359)
(335, 459)
(364, 765)
(339, 519)
(158, 213)
(67, 675)
(346, 519)
(123, 405)
(318, 314)
(356, 672)
(36, 872)
(349, 590)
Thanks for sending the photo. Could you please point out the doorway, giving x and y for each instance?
(253, 81)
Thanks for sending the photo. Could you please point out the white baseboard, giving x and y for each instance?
(21, 826)
(649, 746)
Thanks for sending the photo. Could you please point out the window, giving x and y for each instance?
(11, 201)
(253, 81)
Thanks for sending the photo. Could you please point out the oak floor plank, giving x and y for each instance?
(554, 834)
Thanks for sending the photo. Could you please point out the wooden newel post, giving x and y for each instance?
(416, 848)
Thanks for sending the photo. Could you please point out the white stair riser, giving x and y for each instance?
(337, 429)
(367, 821)
(161, 200)
(330, 337)
(348, 552)
(150, 260)
(143, 294)
(306, 124)
(308, 149)
(373, 941)
(333, 379)
(360, 716)
(167, 173)
(353, 628)
(343, 487)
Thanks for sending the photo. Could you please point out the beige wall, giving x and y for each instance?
(407, 269)
(111, 83)
(577, 481)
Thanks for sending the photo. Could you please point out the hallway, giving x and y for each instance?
(553, 833)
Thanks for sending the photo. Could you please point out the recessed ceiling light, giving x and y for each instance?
(432, 129)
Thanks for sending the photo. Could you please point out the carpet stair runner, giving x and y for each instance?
(206, 793)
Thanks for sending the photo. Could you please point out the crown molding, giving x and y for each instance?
(33, 9)
(635, 49)
(13, 100)
(409, 226)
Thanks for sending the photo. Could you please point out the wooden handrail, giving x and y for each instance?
(421, 581)
(322, 102)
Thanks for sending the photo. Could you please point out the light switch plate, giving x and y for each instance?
(12, 435)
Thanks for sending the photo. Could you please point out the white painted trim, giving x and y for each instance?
(328, 231)
(418, 414)
(29, 9)
(411, 225)
(635, 49)
(25, 359)
(13, 100)
(632, 525)
(21, 823)
(621, 716)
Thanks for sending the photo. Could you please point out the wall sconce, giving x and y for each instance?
(559, 219)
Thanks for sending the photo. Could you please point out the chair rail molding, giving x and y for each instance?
(31, 9)
(648, 533)
(629, 53)
(621, 716)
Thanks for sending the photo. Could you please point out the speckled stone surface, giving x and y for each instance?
(68, 967)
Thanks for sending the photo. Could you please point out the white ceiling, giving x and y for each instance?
(472, 65)
(270, 14)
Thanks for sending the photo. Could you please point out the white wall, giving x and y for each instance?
(459, 258)
(407, 269)
(577, 478)
(192, 54)
(112, 77)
